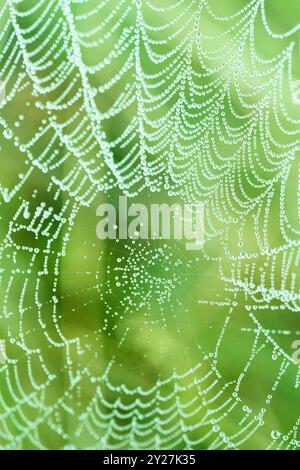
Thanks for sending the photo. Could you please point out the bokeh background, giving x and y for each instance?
(141, 344)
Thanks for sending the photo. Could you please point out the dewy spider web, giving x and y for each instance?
(136, 344)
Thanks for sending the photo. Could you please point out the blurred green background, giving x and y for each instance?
(141, 344)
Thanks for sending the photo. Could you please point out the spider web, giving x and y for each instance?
(135, 344)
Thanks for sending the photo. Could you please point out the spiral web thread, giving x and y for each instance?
(175, 96)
